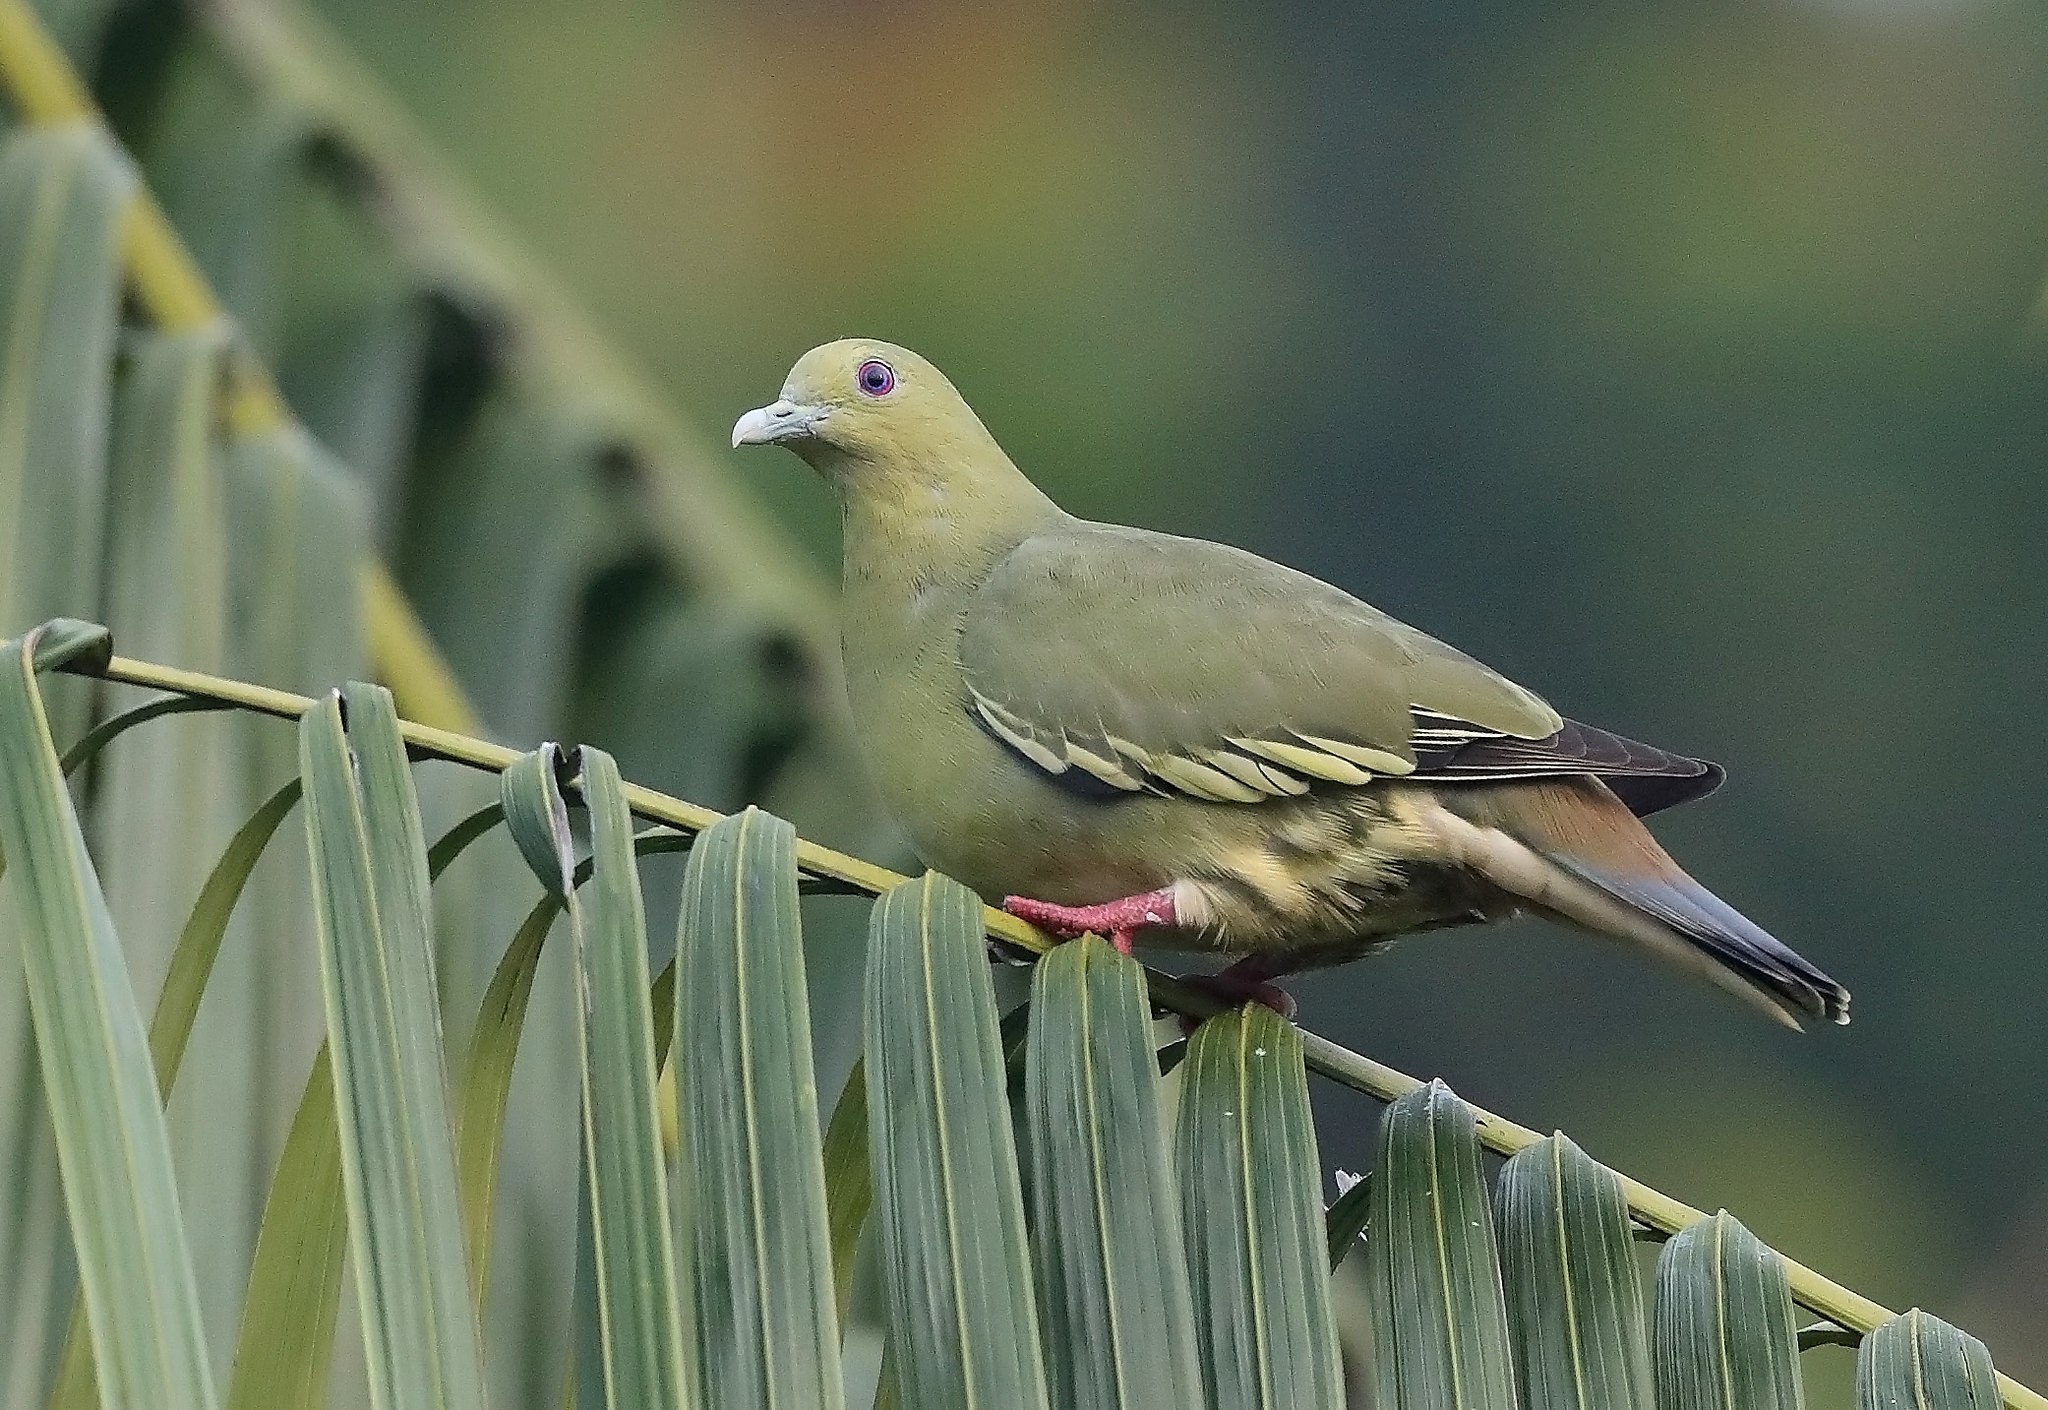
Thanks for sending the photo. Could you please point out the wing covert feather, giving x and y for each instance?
(1143, 660)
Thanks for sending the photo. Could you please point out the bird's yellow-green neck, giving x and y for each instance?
(931, 522)
(921, 535)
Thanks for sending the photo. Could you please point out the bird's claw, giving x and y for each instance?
(1240, 989)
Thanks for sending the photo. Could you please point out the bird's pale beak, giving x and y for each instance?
(778, 421)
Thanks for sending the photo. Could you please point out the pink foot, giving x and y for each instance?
(1246, 991)
(1241, 983)
(1118, 919)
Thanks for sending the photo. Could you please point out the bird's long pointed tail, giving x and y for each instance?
(1570, 848)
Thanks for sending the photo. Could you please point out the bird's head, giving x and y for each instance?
(860, 402)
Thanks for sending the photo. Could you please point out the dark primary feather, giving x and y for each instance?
(1643, 776)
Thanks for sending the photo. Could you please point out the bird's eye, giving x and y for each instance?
(875, 377)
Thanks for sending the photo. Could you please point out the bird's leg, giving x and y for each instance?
(1118, 919)
(1250, 980)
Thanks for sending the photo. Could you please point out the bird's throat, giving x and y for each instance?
(913, 531)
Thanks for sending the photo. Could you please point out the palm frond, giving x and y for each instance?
(153, 474)
(1562, 1325)
(1721, 1312)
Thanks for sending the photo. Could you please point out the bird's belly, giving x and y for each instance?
(1323, 873)
(1008, 834)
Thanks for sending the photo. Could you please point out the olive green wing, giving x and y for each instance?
(1119, 659)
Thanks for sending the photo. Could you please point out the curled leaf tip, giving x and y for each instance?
(531, 793)
(567, 761)
(69, 645)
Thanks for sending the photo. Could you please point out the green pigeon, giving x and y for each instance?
(1121, 731)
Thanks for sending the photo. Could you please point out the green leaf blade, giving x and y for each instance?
(1575, 1304)
(89, 745)
(376, 944)
(112, 1142)
(963, 1319)
(849, 1183)
(170, 800)
(750, 1159)
(1113, 1279)
(200, 940)
(1346, 1221)
(1919, 1362)
(1724, 1336)
(286, 1339)
(177, 1008)
(486, 1087)
(61, 194)
(634, 1260)
(1258, 1255)
(62, 190)
(285, 1343)
(1440, 1339)
(300, 529)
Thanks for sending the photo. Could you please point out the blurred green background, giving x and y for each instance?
(1669, 357)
